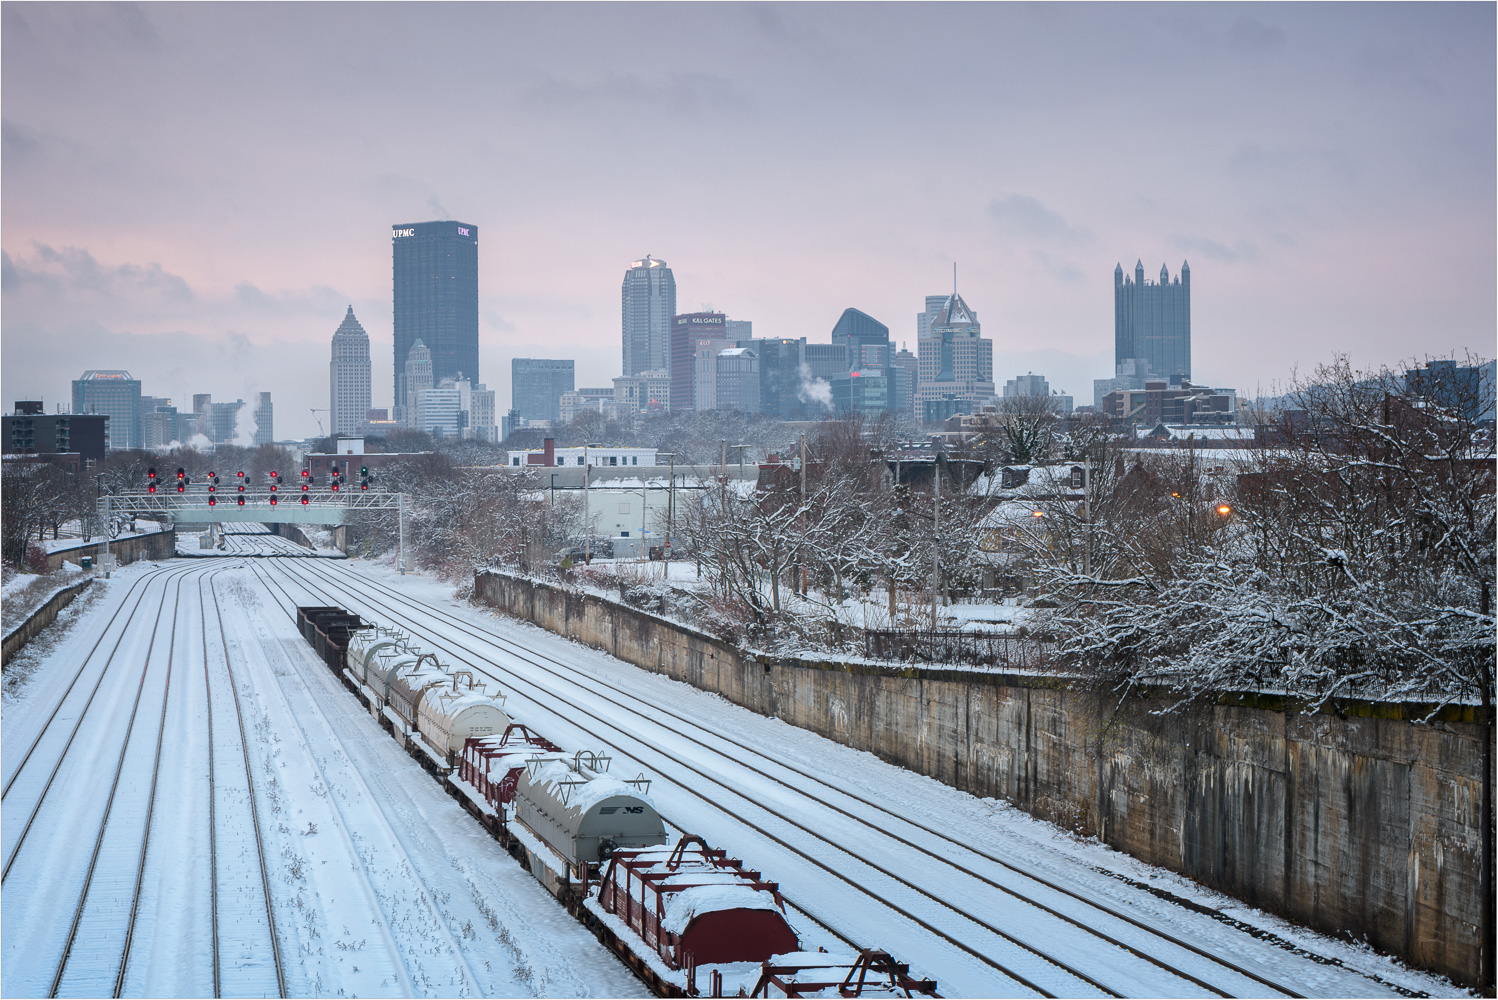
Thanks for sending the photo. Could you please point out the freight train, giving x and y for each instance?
(688, 919)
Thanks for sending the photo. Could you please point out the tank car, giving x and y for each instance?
(409, 682)
(573, 815)
(448, 717)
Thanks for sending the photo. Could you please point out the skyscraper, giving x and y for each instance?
(436, 300)
(648, 303)
(954, 360)
(416, 376)
(536, 387)
(923, 319)
(866, 339)
(696, 339)
(115, 393)
(348, 377)
(1152, 322)
(265, 418)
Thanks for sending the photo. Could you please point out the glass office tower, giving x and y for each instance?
(436, 299)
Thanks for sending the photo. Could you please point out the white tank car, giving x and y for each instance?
(409, 683)
(366, 644)
(380, 670)
(581, 814)
(448, 716)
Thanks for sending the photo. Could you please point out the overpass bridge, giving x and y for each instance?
(321, 507)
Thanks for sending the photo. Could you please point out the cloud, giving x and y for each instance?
(73, 270)
(1022, 215)
(1213, 250)
(1251, 33)
(1061, 270)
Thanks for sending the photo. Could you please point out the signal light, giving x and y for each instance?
(304, 500)
(273, 474)
(241, 473)
(363, 485)
(304, 473)
(335, 486)
(210, 487)
(179, 487)
(181, 472)
(304, 487)
(241, 501)
(151, 473)
(363, 470)
(273, 487)
(241, 487)
(152, 487)
(211, 501)
(272, 501)
(212, 475)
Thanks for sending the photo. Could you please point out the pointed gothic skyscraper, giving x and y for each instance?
(955, 361)
(348, 377)
(1152, 324)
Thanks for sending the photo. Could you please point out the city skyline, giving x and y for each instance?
(1327, 171)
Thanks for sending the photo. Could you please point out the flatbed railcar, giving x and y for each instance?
(686, 918)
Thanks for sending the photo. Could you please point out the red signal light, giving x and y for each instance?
(335, 486)
(152, 487)
(241, 487)
(272, 501)
(364, 486)
(273, 487)
(304, 473)
(210, 487)
(211, 501)
(241, 473)
(179, 487)
(304, 500)
(241, 501)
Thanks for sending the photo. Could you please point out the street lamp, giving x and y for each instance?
(1223, 510)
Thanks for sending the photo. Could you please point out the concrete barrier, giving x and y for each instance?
(157, 545)
(1356, 822)
(40, 619)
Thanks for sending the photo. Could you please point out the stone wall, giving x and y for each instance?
(1358, 822)
(40, 619)
(157, 545)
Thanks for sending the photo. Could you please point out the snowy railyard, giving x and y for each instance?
(195, 806)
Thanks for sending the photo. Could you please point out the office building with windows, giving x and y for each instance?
(1152, 323)
(417, 378)
(265, 420)
(537, 385)
(348, 377)
(696, 338)
(647, 306)
(864, 338)
(436, 269)
(112, 392)
(956, 362)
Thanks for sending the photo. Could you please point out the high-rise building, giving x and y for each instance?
(439, 411)
(648, 303)
(780, 377)
(536, 387)
(114, 393)
(1152, 322)
(737, 373)
(909, 368)
(481, 414)
(416, 376)
(30, 431)
(955, 360)
(866, 390)
(649, 391)
(923, 319)
(696, 339)
(348, 377)
(864, 338)
(586, 400)
(265, 421)
(436, 299)
(740, 329)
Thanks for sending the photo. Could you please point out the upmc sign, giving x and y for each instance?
(398, 233)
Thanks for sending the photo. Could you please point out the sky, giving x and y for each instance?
(197, 192)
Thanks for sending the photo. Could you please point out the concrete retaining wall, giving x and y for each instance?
(40, 619)
(157, 545)
(1359, 823)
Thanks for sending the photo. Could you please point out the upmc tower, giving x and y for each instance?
(436, 300)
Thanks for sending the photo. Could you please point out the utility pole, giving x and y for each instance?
(400, 520)
(723, 475)
(670, 512)
(587, 512)
(803, 508)
(935, 536)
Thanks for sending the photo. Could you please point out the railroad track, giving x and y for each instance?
(116, 894)
(557, 670)
(232, 831)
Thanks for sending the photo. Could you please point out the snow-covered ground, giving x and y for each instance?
(70, 535)
(380, 884)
